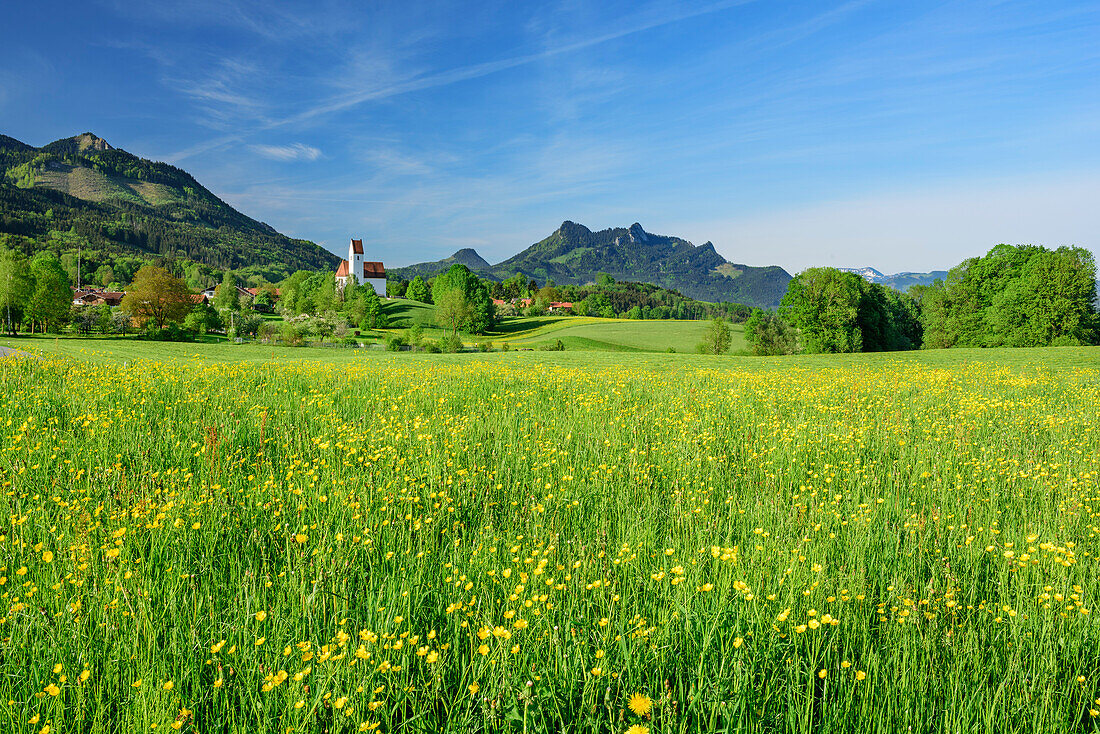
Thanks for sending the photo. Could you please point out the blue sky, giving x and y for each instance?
(900, 135)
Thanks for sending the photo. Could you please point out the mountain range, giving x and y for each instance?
(117, 203)
(897, 281)
(80, 193)
(574, 254)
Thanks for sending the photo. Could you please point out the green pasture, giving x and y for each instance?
(223, 538)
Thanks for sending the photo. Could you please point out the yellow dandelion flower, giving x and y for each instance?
(860, 675)
(738, 642)
(638, 729)
(473, 688)
(640, 704)
(53, 690)
(168, 685)
(136, 684)
(47, 557)
(261, 615)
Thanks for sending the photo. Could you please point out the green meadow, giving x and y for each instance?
(239, 538)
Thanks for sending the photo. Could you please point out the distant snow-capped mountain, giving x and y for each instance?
(866, 273)
(897, 281)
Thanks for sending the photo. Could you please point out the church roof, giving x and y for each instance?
(373, 270)
(343, 269)
(357, 247)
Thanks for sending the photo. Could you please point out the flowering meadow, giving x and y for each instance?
(551, 542)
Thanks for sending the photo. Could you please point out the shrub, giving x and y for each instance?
(291, 335)
(451, 343)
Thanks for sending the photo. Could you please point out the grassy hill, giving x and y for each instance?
(82, 193)
(577, 333)
(618, 335)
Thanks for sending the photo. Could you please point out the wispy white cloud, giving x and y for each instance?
(264, 18)
(375, 91)
(292, 152)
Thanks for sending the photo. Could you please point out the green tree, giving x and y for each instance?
(203, 318)
(514, 287)
(226, 297)
(823, 305)
(481, 315)
(16, 288)
(52, 299)
(372, 316)
(716, 339)
(418, 290)
(1013, 296)
(305, 292)
(452, 309)
(158, 297)
(105, 275)
(768, 334)
(264, 300)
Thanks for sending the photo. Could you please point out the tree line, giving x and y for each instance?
(36, 295)
(1013, 296)
(605, 298)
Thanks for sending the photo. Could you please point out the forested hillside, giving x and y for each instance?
(574, 254)
(80, 195)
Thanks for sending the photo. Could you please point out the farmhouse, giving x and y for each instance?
(365, 271)
(94, 297)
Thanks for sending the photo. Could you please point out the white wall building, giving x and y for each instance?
(365, 271)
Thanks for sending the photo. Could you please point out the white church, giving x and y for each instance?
(367, 273)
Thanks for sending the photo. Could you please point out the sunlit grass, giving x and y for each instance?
(526, 541)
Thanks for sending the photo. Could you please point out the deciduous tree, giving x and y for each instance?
(157, 296)
(16, 288)
(716, 340)
(53, 296)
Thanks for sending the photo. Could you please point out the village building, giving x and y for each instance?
(241, 292)
(95, 297)
(365, 271)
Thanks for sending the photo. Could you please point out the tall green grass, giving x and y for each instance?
(519, 542)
